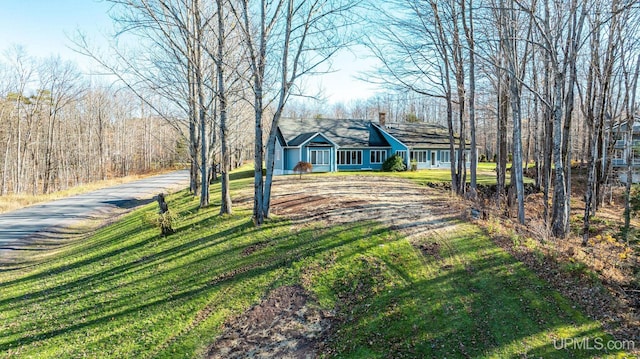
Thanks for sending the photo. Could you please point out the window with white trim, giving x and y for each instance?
(402, 154)
(319, 157)
(378, 156)
(349, 157)
(444, 156)
(419, 156)
(618, 154)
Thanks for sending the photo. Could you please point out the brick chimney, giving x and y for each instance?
(382, 118)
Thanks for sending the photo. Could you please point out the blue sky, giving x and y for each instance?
(43, 27)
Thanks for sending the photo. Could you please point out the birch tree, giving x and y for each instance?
(421, 47)
(61, 80)
(225, 207)
(285, 39)
(170, 63)
(631, 110)
(515, 60)
(468, 24)
(609, 94)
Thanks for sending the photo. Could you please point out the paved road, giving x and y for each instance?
(18, 227)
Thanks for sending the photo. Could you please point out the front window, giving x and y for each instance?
(349, 157)
(319, 157)
(419, 156)
(378, 156)
(618, 154)
(445, 156)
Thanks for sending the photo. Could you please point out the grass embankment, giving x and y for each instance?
(126, 292)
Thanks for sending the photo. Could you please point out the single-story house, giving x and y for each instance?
(332, 145)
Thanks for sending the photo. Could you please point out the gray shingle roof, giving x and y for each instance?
(361, 133)
(300, 139)
(417, 135)
(343, 132)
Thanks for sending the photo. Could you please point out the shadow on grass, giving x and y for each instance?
(212, 262)
(129, 203)
(470, 300)
(474, 300)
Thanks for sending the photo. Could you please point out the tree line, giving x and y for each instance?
(59, 130)
(556, 79)
(540, 81)
(225, 67)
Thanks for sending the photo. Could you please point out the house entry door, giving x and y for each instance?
(433, 158)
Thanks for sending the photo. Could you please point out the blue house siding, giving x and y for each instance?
(323, 142)
(396, 146)
(327, 153)
(279, 160)
(366, 159)
(292, 157)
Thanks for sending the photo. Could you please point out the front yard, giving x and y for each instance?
(352, 266)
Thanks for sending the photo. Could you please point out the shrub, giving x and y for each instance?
(303, 167)
(162, 221)
(394, 163)
(414, 165)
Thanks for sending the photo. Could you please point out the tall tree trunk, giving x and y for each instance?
(469, 31)
(536, 130)
(501, 166)
(48, 154)
(259, 65)
(571, 55)
(516, 165)
(194, 171)
(596, 103)
(560, 210)
(458, 62)
(631, 112)
(284, 93)
(447, 90)
(548, 132)
(201, 105)
(225, 206)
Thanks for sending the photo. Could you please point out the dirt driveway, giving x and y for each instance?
(285, 328)
(398, 203)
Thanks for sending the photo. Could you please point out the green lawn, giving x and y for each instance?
(125, 292)
(486, 174)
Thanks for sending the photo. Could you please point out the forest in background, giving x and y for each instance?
(542, 82)
(59, 130)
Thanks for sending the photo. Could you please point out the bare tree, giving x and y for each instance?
(61, 80)
(171, 64)
(469, 34)
(516, 55)
(286, 39)
(225, 207)
(598, 104)
(421, 49)
(629, 47)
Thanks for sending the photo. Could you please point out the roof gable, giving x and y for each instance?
(362, 133)
(341, 132)
(301, 138)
